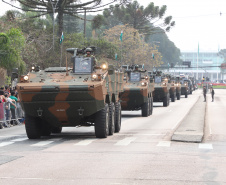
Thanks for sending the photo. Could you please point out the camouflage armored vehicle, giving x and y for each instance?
(172, 87)
(162, 88)
(138, 90)
(178, 87)
(85, 95)
(184, 86)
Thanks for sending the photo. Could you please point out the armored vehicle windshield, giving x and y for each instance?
(134, 77)
(158, 79)
(83, 65)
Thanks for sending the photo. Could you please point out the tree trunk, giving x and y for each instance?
(60, 20)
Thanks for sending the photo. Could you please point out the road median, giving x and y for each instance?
(191, 128)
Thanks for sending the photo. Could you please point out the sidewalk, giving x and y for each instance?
(191, 128)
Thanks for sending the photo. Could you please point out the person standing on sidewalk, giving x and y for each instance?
(204, 93)
(12, 108)
(212, 93)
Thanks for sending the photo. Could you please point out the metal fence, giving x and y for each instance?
(6, 115)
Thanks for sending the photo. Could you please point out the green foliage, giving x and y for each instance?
(104, 48)
(170, 53)
(10, 50)
(145, 20)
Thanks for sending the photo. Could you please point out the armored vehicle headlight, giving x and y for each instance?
(143, 83)
(32, 68)
(163, 83)
(94, 76)
(26, 78)
(104, 66)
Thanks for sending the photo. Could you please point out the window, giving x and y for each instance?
(158, 79)
(82, 65)
(135, 77)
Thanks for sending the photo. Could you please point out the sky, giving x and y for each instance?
(198, 23)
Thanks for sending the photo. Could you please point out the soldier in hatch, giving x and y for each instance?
(88, 54)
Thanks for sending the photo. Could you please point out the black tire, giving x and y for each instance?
(173, 98)
(45, 128)
(118, 115)
(186, 94)
(178, 96)
(145, 109)
(111, 118)
(150, 106)
(165, 101)
(102, 122)
(33, 127)
(56, 130)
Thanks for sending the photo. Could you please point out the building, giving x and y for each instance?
(204, 64)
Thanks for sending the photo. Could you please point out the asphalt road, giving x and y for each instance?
(142, 153)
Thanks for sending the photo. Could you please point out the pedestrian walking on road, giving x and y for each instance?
(212, 93)
(204, 93)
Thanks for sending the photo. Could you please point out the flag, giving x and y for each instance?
(143, 66)
(116, 56)
(62, 38)
(121, 36)
(153, 56)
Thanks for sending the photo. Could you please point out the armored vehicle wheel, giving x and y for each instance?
(190, 91)
(33, 127)
(178, 96)
(118, 115)
(173, 98)
(186, 95)
(56, 130)
(145, 109)
(102, 122)
(111, 118)
(150, 106)
(165, 101)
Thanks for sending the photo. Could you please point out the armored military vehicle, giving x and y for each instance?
(162, 87)
(138, 90)
(172, 87)
(178, 87)
(84, 95)
(184, 86)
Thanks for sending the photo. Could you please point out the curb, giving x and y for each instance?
(191, 128)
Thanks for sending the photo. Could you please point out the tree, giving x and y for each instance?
(62, 7)
(132, 49)
(145, 20)
(11, 45)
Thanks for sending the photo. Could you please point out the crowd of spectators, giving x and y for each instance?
(8, 107)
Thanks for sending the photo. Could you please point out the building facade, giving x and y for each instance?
(203, 64)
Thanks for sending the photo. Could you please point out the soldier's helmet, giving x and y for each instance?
(89, 50)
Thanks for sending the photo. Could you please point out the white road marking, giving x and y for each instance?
(140, 134)
(5, 143)
(20, 139)
(85, 142)
(42, 143)
(125, 141)
(164, 143)
(205, 146)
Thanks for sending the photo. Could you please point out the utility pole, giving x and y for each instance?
(85, 23)
(54, 8)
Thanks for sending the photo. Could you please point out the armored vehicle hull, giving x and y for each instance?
(137, 98)
(184, 90)
(56, 98)
(137, 93)
(178, 91)
(161, 94)
(172, 93)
